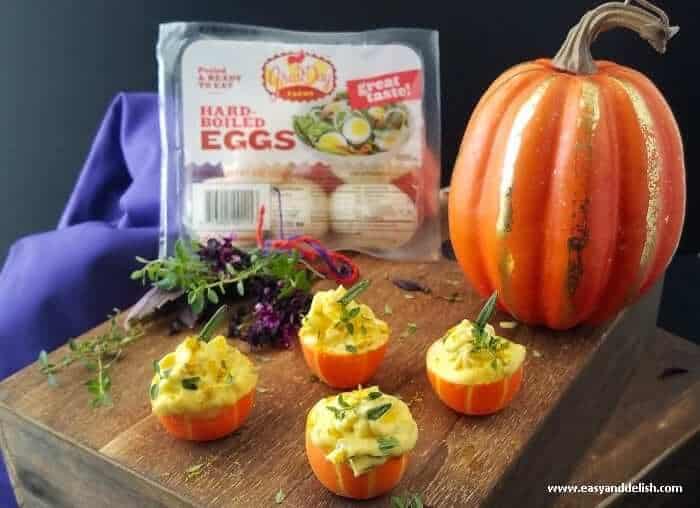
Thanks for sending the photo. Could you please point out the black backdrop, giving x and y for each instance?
(63, 60)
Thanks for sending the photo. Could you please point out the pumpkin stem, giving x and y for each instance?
(648, 20)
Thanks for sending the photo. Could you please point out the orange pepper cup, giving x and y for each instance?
(344, 370)
(477, 399)
(339, 478)
(209, 425)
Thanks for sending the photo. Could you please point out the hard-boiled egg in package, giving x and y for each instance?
(327, 133)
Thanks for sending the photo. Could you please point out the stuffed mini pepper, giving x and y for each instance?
(204, 390)
(473, 370)
(342, 340)
(358, 442)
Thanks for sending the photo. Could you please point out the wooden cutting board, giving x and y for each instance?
(62, 453)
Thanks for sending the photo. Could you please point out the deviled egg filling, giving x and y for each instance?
(363, 428)
(341, 329)
(201, 377)
(463, 357)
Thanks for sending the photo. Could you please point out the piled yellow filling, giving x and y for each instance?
(341, 329)
(363, 428)
(461, 359)
(199, 377)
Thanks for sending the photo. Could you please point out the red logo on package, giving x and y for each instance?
(385, 89)
(298, 76)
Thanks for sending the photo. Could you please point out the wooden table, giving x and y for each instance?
(62, 453)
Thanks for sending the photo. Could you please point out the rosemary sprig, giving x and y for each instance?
(347, 315)
(98, 354)
(485, 314)
(354, 292)
(485, 342)
(213, 323)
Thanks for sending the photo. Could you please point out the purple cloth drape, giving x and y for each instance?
(56, 285)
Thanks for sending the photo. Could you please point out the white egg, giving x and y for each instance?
(374, 216)
(357, 130)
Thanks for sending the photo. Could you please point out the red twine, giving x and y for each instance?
(329, 263)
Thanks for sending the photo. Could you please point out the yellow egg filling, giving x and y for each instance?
(458, 358)
(364, 428)
(200, 377)
(341, 329)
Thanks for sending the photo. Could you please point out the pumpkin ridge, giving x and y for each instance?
(557, 270)
(672, 169)
(622, 282)
(473, 162)
(498, 270)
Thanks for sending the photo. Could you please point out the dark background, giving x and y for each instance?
(62, 62)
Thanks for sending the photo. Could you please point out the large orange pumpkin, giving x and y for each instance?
(568, 194)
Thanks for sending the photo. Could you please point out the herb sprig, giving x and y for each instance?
(98, 354)
(483, 342)
(407, 501)
(347, 314)
(188, 271)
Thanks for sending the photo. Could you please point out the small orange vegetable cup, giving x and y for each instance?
(343, 370)
(339, 478)
(477, 399)
(211, 425)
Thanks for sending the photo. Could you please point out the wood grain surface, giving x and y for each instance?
(458, 461)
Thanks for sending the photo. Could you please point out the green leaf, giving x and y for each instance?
(142, 260)
(486, 312)
(411, 329)
(342, 402)
(387, 443)
(350, 348)
(279, 497)
(137, 274)
(168, 282)
(374, 395)
(43, 358)
(212, 296)
(353, 313)
(180, 251)
(156, 367)
(154, 391)
(198, 302)
(190, 383)
(354, 292)
(351, 328)
(339, 413)
(213, 323)
(240, 287)
(53, 382)
(377, 412)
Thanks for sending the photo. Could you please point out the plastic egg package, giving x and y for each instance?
(330, 135)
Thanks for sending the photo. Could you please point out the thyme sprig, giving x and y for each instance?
(98, 354)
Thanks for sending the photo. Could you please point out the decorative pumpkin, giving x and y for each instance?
(568, 194)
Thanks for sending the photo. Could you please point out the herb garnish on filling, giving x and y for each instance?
(483, 341)
(347, 314)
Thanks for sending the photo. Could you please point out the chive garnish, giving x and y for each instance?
(377, 412)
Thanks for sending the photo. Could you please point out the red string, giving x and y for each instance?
(329, 263)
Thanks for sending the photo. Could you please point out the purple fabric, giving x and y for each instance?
(58, 284)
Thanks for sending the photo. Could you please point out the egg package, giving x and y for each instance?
(332, 135)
